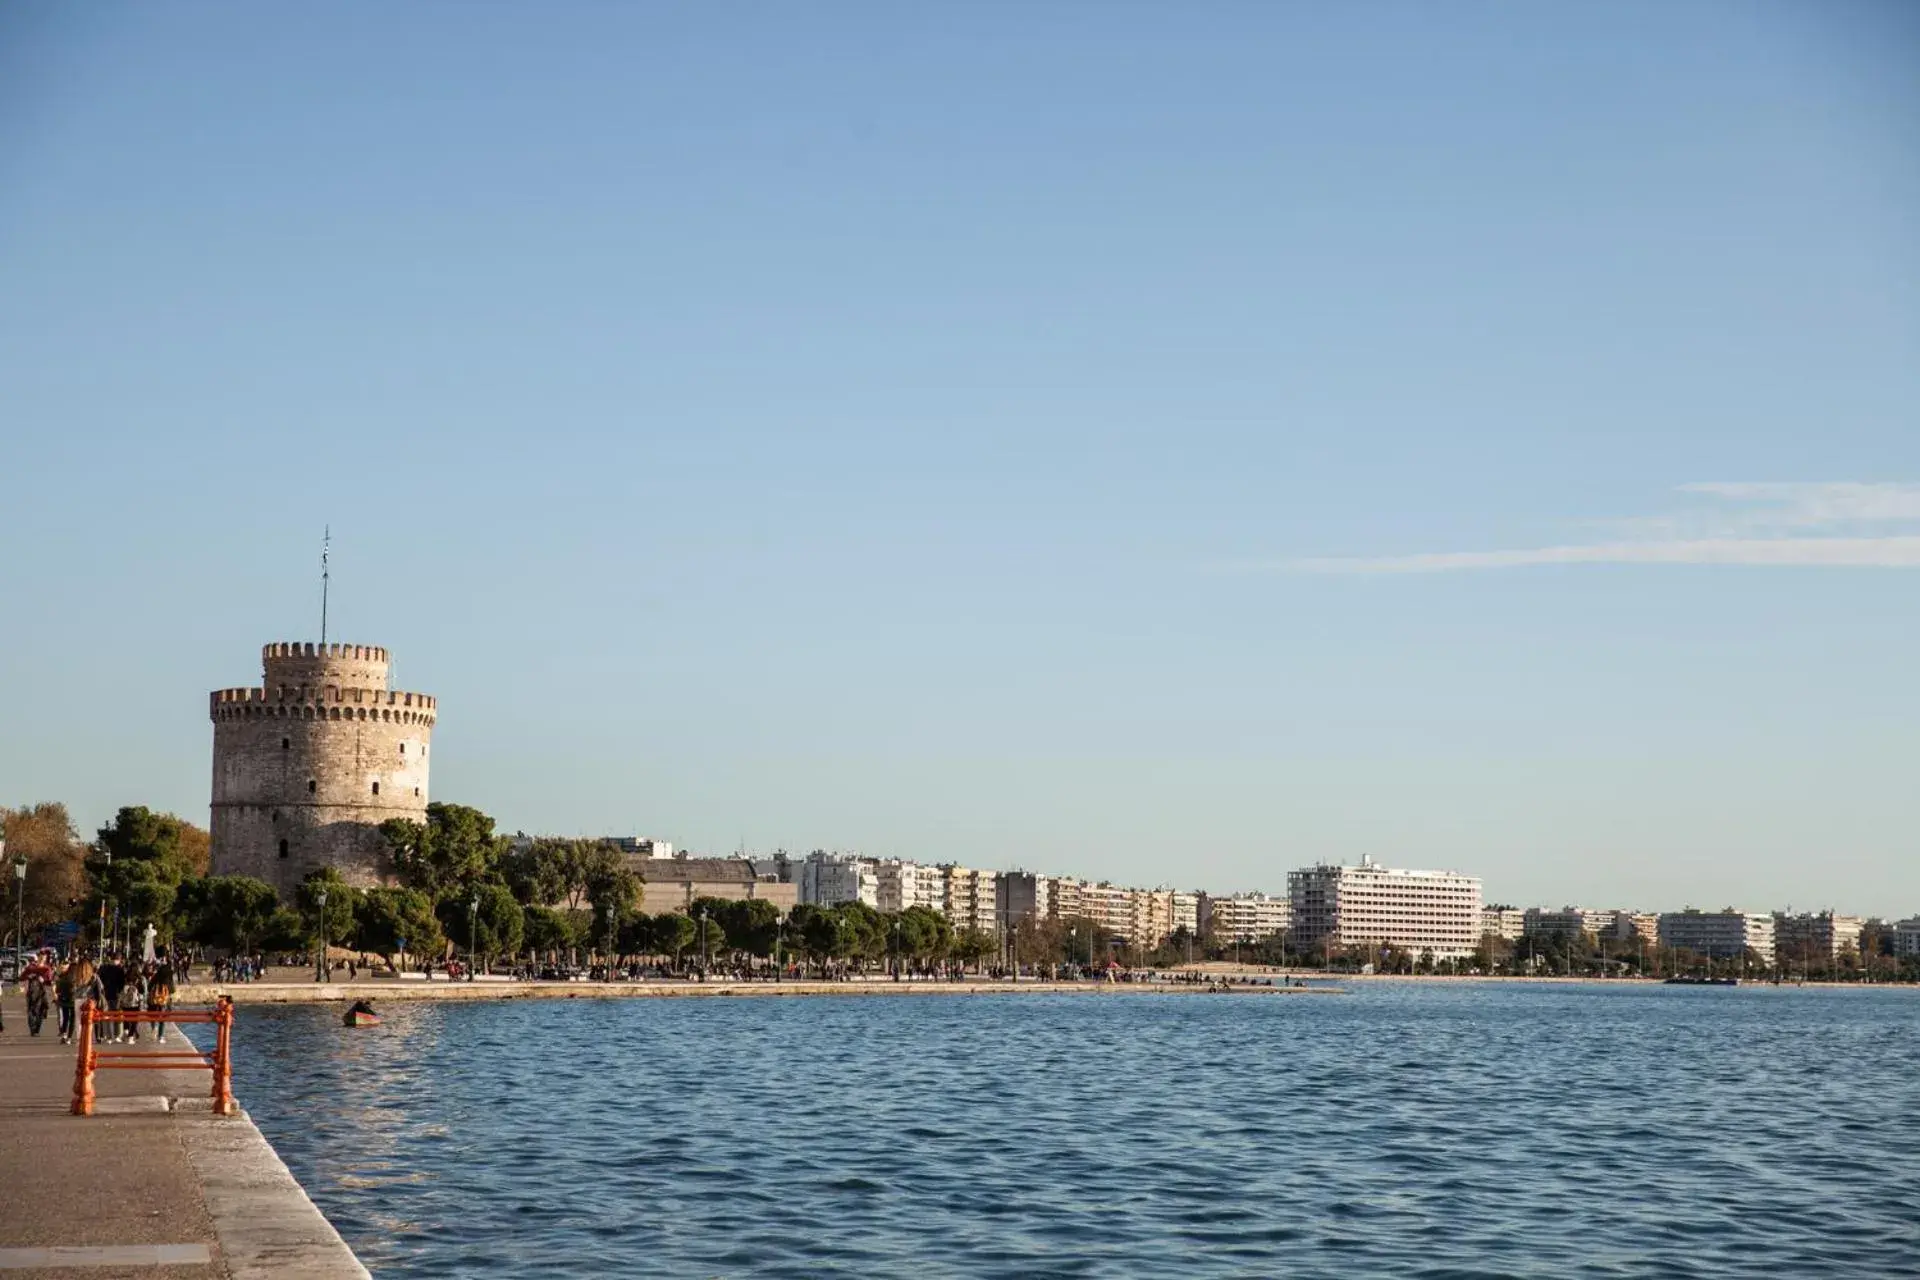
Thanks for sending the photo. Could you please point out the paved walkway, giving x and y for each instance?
(153, 1184)
(122, 1178)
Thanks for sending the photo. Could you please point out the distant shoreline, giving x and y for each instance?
(257, 993)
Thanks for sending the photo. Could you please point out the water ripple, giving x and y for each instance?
(1438, 1132)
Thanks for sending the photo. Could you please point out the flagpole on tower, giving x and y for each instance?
(326, 545)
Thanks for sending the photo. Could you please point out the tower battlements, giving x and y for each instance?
(310, 762)
(294, 663)
(329, 702)
(307, 649)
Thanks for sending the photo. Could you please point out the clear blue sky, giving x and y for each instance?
(1166, 442)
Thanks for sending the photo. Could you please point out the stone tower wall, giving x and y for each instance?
(307, 767)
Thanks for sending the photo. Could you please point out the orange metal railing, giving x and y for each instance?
(91, 1059)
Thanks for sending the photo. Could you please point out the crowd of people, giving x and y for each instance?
(118, 984)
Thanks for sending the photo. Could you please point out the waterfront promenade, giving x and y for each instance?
(152, 1184)
(288, 986)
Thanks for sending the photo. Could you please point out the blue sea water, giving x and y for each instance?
(1439, 1130)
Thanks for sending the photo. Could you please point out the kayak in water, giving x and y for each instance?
(361, 1014)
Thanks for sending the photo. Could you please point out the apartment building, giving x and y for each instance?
(1503, 922)
(1109, 906)
(1421, 911)
(831, 878)
(1906, 937)
(900, 884)
(1814, 936)
(1719, 933)
(1636, 926)
(1186, 912)
(1022, 895)
(1244, 917)
(972, 897)
(1066, 898)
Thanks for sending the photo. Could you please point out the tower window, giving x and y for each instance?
(416, 791)
(376, 788)
(286, 744)
(312, 786)
(403, 748)
(283, 848)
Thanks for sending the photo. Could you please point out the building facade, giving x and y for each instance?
(1244, 917)
(1509, 923)
(1814, 936)
(1906, 937)
(1023, 895)
(1721, 934)
(307, 765)
(972, 897)
(672, 884)
(1368, 905)
(828, 879)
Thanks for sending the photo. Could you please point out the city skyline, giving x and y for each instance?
(1478, 440)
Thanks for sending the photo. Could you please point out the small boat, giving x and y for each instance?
(361, 1015)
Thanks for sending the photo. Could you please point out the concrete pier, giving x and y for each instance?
(153, 1184)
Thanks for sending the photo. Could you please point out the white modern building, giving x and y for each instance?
(1419, 911)
(1719, 933)
(830, 878)
(1244, 917)
(1906, 937)
(1186, 912)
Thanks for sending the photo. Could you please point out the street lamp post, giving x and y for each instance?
(19, 906)
(320, 954)
(779, 950)
(608, 911)
(473, 935)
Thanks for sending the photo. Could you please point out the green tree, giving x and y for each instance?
(925, 934)
(971, 946)
(138, 834)
(547, 930)
(395, 920)
(673, 933)
(231, 912)
(337, 924)
(453, 848)
(139, 861)
(709, 935)
(610, 886)
(867, 931)
(285, 931)
(495, 928)
(538, 871)
(502, 922)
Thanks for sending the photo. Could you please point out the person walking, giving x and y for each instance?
(133, 998)
(160, 997)
(76, 985)
(113, 980)
(38, 978)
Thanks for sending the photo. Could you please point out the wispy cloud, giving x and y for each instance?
(1742, 523)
